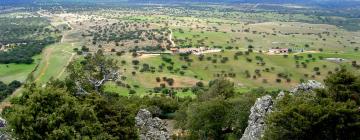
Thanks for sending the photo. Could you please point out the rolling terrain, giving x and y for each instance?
(244, 38)
(171, 69)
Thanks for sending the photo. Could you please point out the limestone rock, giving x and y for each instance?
(280, 96)
(4, 136)
(256, 122)
(307, 87)
(2, 123)
(264, 106)
(151, 128)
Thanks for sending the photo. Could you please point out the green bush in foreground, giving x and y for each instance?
(53, 113)
(218, 112)
(331, 113)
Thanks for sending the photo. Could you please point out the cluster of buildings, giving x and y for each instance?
(203, 50)
(196, 51)
(9, 46)
(285, 50)
(175, 50)
(279, 51)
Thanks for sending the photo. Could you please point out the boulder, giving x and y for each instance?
(2, 123)
(256, 122)
(4, 136)
(307, 87)
(151, 128)
(280, 95)
(264, 106)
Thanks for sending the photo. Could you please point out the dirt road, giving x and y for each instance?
(171, 39)
(47, 55)
(69, 61)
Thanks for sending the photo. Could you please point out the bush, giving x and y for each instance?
(170, 81)
(132, 91)
(6, 90)
(330, 113)
(158, 79)
(135, 62)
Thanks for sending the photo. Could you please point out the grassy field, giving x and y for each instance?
(50, 64)
(207, 70)
(10, 72)
(55, 59)
(113, 88)
(264, 36)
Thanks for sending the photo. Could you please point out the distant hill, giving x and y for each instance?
(251, 1)
(325, 3)
(15, 1)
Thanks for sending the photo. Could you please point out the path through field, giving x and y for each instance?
(69, 61)
(47, 63)
(171, 40)
(47, 54)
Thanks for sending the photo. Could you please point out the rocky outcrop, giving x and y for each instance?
(2, 123)
(256, 122)
(264, 105)
(280, 95)
(151, 128)
(3, 136)
(307, 87)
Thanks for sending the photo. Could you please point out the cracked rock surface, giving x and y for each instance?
(256, 122)
(151, 128)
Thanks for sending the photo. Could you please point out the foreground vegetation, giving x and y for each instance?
(331, 113)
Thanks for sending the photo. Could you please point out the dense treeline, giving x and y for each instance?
(6, 90)
(23, 53)
(22, 30)
(23, 37)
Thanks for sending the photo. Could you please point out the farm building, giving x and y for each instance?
(279, 51)
(196, 51)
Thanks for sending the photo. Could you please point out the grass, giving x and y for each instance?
(48, 68)
(218, 38)
(122, 91)
(112, 87)
(185, 94)
(10, 72)
(206, 70)
(287, 34)
(53, 62)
